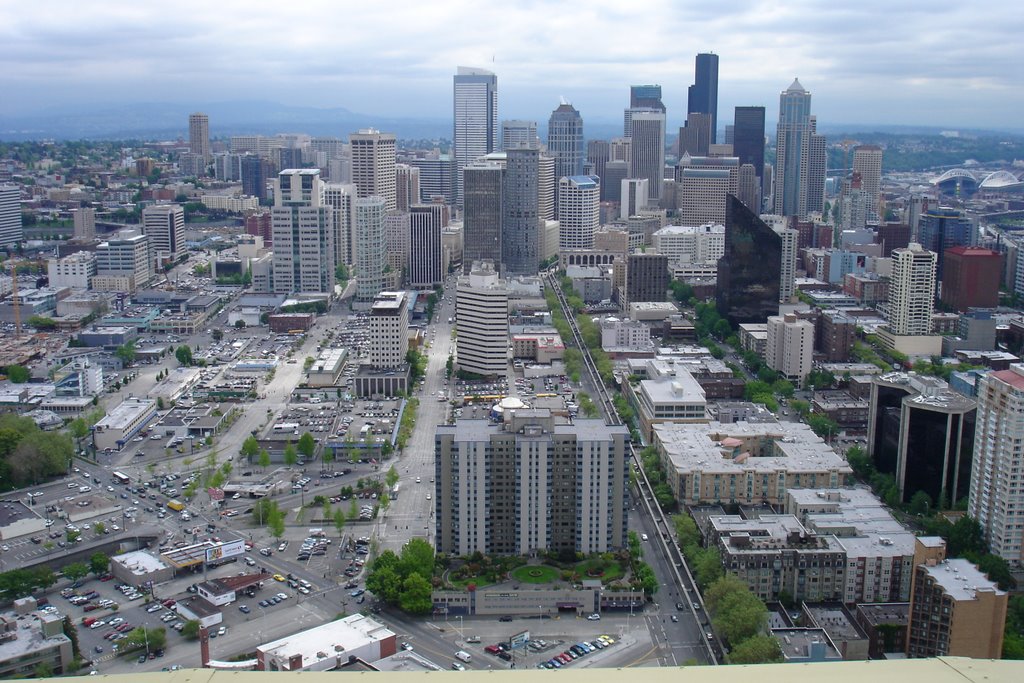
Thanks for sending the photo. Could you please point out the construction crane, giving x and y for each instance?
(12, 264)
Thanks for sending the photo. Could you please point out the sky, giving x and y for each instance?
(946, 63)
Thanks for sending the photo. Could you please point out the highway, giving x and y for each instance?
(665, 556)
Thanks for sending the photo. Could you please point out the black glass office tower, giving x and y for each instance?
(748, 138)
(702, 96)
(749, 273)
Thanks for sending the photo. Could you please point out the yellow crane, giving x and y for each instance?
(12, 264)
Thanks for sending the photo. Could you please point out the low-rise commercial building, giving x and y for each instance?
(326, 369)
(122, 423)
(675, 398)
(329, 646)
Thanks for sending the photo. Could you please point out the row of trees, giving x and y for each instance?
(737, 614)
(643, 574)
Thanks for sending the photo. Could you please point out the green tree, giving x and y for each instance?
(217, 334)
(391, 477)
(190, 631)
(76, 571)
(966, 536)
(100, 528)
(385, 583)
(417, 557)
(339, 520)
(184, 355)
(18, 374)
(686, 530)
(307, 445)
(99, 563)
(149, 639)
(276, 523)
(415, 598)
(263, 460)
(262, 511)
(126, 353)
(291, 456)
(758, 649)
(920, 503)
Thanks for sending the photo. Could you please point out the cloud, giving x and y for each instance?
(943, 63)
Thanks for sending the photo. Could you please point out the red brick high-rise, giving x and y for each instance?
(971, 278)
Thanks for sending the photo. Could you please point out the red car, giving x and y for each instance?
(168, 603)
(492, 649)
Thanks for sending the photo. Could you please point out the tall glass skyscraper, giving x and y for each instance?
(475, 109)
(748, 137)
(520, 238)
(800, 156)
(750, 271)
(565, 142)
(702, 96)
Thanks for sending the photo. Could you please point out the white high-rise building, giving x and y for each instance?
(475, 114)
(85, 223)
(303, 230)
(912, 290)
(787, 271)
(74, 270)
(340, 197)
(125, 257)
(687, 244)
(373, 165)
(11, 229)
(579, 211)
(481, 308)
(389, 330)
(635, 193)
(996, 485)
(426, 226)
(370, 249)
(790, 346)
(164, 224)
(647, 150)
(547, 186)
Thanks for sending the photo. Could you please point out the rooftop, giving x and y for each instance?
(961, 579)
(139, 562)
(123, 415)
(788, 446)
(327, 640)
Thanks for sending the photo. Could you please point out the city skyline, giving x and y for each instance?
(930, 76)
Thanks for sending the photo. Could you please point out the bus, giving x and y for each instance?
(394, 491)
(120, 478)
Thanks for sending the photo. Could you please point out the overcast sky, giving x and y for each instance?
(942, 62)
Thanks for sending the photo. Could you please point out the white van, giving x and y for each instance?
(463, 655)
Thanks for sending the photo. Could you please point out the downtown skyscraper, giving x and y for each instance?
(702, 96)
(565, 142)
(647, 150)
(302, 225)
(800, 157)
(475, 113)
(199, 135)
(520, 226)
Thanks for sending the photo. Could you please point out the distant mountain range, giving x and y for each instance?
(164, 121)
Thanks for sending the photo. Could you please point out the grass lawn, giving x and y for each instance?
(610, 571)
(536, 574)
